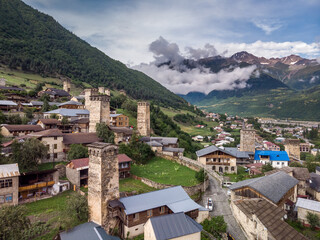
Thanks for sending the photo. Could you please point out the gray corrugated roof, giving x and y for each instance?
(308, 204)
(315, 181)
(163, 197)
(85, 231)
(9, 170)
(169, 149)
(162, 140)
(69, 112)
(70, 103)
(9, 103)
(273, 186)
(173, 226)
(237, 153)
(154, 144)
(211, 149)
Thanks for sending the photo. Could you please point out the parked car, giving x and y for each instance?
(210, 204)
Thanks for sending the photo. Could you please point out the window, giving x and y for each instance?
(149, 213)
(48, 156)
(278, 163)
(55, 146)
(136, 217)
(162, 209)
(6, 183)
(55, 155)
(55, 138)
(9, 198)
(1, 199)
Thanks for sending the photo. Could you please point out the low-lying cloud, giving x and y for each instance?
(180, 79)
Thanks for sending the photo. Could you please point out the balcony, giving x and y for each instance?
(218, 163)
(36, 186)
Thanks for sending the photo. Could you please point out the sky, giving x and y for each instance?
(126, 29)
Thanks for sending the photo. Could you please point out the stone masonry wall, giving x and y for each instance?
(247, 140)
(143, 118)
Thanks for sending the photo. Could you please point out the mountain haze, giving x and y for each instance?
(35, 42)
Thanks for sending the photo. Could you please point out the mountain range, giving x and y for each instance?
(34, 42)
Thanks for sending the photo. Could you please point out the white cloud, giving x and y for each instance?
(313, 79)
(318, 60)
(268, 26)
(196, 79)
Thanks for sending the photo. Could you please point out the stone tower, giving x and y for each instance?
(103, 182)
(99, 110)
(292, 147)
(66, 85)
(143, 119)
(247, 139)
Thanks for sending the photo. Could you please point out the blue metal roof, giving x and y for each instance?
(69, 112)
(274, 155)
(175, 197)
(174, 226)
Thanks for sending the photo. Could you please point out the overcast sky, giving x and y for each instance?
(123, 29)
(140, 33)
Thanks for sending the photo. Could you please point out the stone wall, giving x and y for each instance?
(292, 147)
(73, 176)
(190, 190)
(61, 169)
(247, 140)
(143, 118)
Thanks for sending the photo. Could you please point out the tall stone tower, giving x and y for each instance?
(292, 147)
(247, 139)
(99, 110)
(66, 85)
(103, 182)
(143, 119)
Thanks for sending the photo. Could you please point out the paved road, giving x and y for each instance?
(222, 208)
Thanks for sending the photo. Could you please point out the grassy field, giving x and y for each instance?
(129, 185)
(18, 78)
(49, 211)
(192, 130)
(167, 172)
(50, 165)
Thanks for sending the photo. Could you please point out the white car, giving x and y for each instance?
(210, 204)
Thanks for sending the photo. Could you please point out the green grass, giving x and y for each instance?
(166, 172)
(47, 166)
(16, 77)
(129, 185)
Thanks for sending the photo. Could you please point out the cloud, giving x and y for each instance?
(268, 26)
(180, 79)
(318, 60)
(196, 79)
(207, 51)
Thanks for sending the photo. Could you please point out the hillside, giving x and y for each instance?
(35, 42)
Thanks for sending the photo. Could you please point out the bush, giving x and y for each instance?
(201, 175)
(77, 151)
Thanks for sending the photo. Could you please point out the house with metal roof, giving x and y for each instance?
(119, 120)
(277, 159)
(314, 186)
(6, 105)
(136, 210)
(54, 93)
(86, 231)
(164, 145)
(305, 206)
(261, 219)
(71, 114)
(71, 105)
(9, 184)
(172, 226)
(276, 188)
(19, 130)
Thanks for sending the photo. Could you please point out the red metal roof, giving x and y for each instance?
(79, 163)
(123, 158)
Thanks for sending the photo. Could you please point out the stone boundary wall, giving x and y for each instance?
(190, 190)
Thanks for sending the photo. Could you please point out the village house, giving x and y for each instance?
(71, 105)
(19, 130)
(277, 159)
(276, 188)
(271, 146)
(221, 160)
(172, 226)
(38, 104)
(78, 138)
(164, 145)
(135, 211)
(77, 169)
(305, 206)
(80, 125)
(48, 123)
(254, 168)
(54, 93)
(9, 184)
(121, 134)
(37, 183)
(3, 82)
(70, 114)
(301, 174)
(315, 151)
(262, 220)
(119, 120)
(198, 138)
(7, 106)
(314, 186)
(79, 98)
